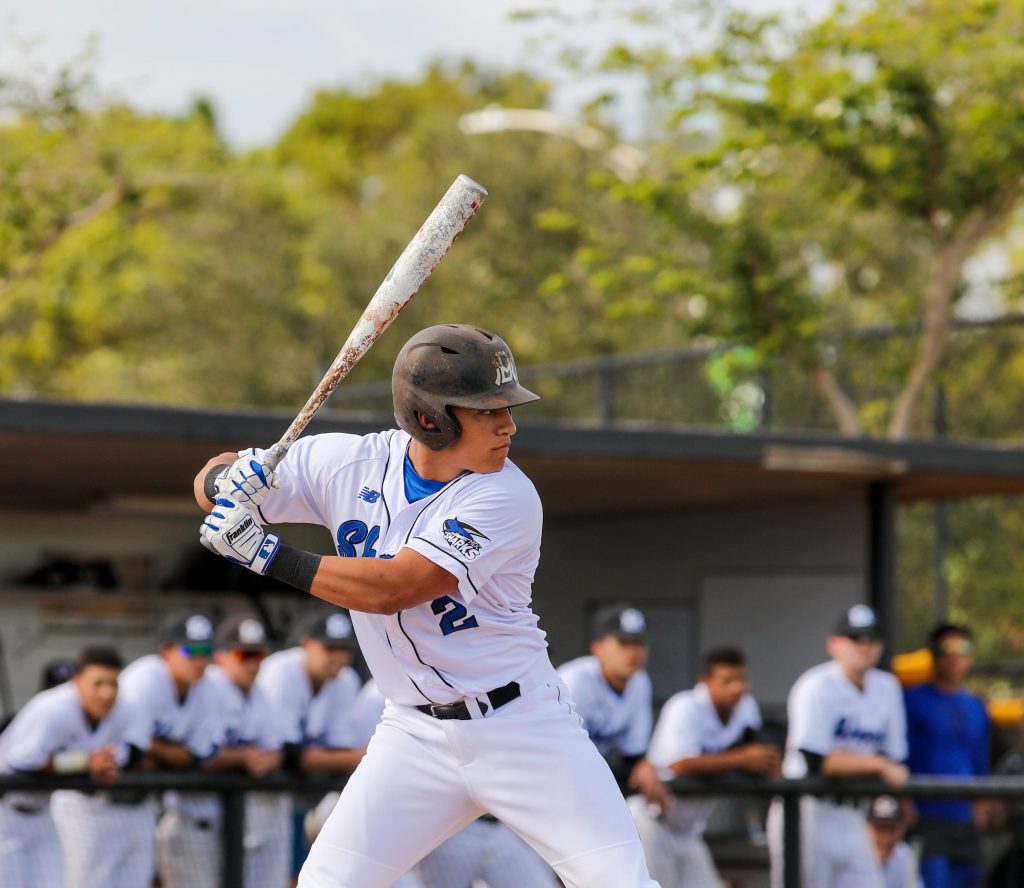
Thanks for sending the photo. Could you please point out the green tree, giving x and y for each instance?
(839, 173)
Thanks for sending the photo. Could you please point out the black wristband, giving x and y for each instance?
(210, 481)
(291, 760)
(295, 567)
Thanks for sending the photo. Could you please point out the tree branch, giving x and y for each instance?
(933, 342)
(844, 411)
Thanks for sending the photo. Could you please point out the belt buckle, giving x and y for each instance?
(447, 711)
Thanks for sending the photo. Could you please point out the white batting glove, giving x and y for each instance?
(234, 531)
(246, 480)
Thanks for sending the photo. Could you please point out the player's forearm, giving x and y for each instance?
(320, 760)
(706, 765)
(230, 758)
(381, 585)
(166, 754)
(843, 763)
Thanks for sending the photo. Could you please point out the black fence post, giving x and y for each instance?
(233, 837)
(791, 867)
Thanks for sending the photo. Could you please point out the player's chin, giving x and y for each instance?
(494, 462)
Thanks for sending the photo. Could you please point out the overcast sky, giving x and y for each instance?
(261, 60)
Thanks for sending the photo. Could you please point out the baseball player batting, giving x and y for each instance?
(437, 536)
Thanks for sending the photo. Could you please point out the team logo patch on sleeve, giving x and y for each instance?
(463, 538)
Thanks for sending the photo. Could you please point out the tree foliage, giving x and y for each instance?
(839, 174)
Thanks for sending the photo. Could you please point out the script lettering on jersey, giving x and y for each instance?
(353, 533)
(847, 730)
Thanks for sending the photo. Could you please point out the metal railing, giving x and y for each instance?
(232, 789)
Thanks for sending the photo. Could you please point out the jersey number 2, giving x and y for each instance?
(455, 615)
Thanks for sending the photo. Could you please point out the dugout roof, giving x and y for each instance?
(73, 456)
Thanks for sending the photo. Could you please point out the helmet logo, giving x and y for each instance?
(505, 370)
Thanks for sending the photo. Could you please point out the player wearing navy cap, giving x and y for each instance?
(312, 688)
(611, 691)
(174, 721)
(846, 721)
(887, 826)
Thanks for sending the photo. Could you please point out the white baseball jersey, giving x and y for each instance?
(148, 691)
(482, 528)
(323, 718)
(615, 722)
(828, 712)
(689, 726)
(53, 721)
(245, 719)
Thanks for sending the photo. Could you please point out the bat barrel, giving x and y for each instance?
(458, 205)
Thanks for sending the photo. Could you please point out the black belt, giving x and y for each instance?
(498, 697)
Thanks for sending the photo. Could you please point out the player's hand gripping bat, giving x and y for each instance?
(413, 267)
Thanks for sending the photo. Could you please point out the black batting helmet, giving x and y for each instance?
(452, 365)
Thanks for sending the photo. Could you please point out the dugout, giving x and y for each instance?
(758, 540)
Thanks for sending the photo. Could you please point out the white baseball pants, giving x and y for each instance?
(529, 763)
(835, 848)
(675, 859)
(105, 845)
(29, 848)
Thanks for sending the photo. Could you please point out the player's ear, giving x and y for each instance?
(425, 421)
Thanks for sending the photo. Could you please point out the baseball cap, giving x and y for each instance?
(186, 627)
(332, 628)
(858, 621)
(885, 810)
(244, 632)
(56, 672)
(625, 622)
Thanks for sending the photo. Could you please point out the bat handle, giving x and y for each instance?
(272, 458)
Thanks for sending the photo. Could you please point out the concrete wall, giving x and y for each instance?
(665, 562)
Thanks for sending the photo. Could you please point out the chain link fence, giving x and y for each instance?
(730, 387)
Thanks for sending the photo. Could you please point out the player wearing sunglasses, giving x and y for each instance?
(170, 712)
(948, 734)
(247, 740)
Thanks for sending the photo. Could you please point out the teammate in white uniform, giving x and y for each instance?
(73, 727)
(174, 721)
(477, 720)
(612, 693)
(846, 720)
(707, 731)
(248, 740)
(887, 827)
(312, 689)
